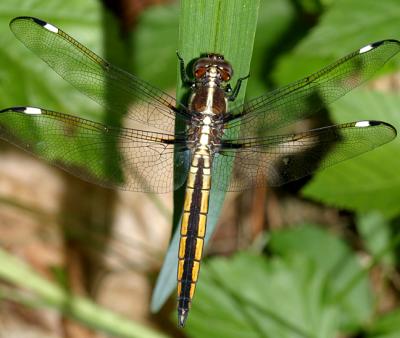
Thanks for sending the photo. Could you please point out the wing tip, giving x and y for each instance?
(38, 21)
(11, 109)
(24, 110)
(31, 18)
(23, 18)
(376, 44)
(375, 123)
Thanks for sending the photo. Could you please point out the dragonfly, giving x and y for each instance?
(231, 149)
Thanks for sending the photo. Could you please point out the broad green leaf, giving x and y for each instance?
(154, 42)
(250, 296)
(370, 181)
(377, 233)
(345, 26)
(387, 326)
(274, 20)
(342, 270)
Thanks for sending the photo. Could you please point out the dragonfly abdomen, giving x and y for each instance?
(193, 230)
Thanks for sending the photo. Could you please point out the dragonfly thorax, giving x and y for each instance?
(208, 105)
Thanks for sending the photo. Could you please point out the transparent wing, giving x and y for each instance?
(299, 100)
(106, 84)
(283, 158)
(111, 157)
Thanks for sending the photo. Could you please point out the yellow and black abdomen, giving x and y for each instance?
(193, 230)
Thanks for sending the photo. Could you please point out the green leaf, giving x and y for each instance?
(218, 26)
(313, 286)
(156, 35)
(248, 296)
(370, 181)
(345, 26)
(387, 326)
(377, 234)
(343, 273)
(274, 21)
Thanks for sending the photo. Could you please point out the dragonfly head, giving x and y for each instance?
(213, 65)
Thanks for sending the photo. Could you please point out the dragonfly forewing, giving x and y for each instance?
(302, 99)
(111, 87)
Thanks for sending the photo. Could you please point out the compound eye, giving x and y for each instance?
(225, 76)
(199, 72)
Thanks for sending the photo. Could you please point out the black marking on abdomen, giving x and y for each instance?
(192, 231)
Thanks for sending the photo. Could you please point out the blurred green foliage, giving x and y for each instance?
(312, 284)
(370, 181)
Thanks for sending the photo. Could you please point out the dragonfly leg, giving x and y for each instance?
(234, 93)
(184, 77)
